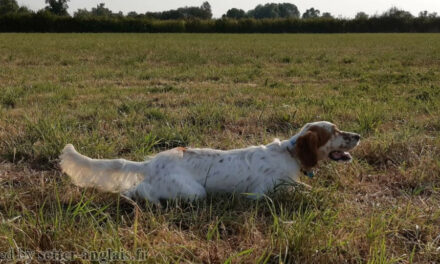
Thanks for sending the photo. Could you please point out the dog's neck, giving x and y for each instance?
(289, 145)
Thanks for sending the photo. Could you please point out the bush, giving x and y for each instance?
(46, 22)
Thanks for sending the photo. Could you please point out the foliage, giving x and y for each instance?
(394, 12)
(192, 12)
(8, 7)
(57, 7)
(326, 15)
(426, 14)
(311, 13)
(84, 22)
(361, 15)
(235, 13)
(99, 11)
(285, 10)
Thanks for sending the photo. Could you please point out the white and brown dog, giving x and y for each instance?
(191, 173)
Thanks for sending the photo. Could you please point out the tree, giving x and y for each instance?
(8, 7)
(273, 10)
(326, 15)
(287, 10)
(361, 16)
(266, 11)
(57, 7)
(132, 14)
(119, 14)
(101, 10)
(394, 12)
(206, 7)
(194, 12)
(311, 13)
(235, 13)
(82, 13)
(24, 11)
(167, 15)
(426, 14)
(188, 12)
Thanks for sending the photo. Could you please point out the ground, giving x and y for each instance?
(133, 95)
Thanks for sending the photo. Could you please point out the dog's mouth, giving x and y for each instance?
(340, 156)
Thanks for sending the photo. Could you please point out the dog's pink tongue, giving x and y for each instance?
(338, 154)
(341, 156)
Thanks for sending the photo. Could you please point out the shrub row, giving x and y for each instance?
(50, 23)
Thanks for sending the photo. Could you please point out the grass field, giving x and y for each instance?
(132, 95)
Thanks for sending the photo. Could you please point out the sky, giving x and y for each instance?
(342, 8)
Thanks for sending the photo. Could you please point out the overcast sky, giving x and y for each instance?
(344, 8)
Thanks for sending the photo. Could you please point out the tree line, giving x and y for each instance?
(268, 18)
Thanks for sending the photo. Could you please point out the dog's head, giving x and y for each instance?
(322, 140)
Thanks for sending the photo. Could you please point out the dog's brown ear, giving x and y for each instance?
(307, 149)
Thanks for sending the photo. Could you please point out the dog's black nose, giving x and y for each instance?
(357, 136)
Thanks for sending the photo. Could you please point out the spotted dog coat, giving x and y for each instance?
(191, 173)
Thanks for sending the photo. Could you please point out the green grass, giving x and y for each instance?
(133, 95)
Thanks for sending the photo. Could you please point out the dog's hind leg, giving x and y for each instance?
(142, 191)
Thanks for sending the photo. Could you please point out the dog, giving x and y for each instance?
(191, 173)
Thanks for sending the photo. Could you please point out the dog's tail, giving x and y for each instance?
(116, 175)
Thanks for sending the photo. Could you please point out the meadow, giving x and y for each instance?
(133, 95)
